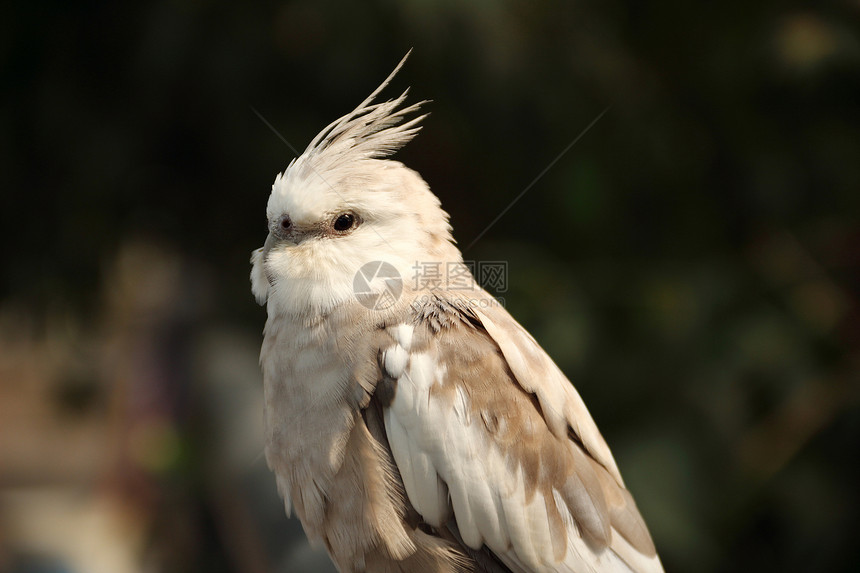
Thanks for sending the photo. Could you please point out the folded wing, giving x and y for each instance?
(495, 447)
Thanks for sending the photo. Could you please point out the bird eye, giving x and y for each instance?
(285, 223)
(345, 222)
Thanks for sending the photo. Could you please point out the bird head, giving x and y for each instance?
(341, 205)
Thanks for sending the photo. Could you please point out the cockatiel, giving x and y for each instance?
(415, 427)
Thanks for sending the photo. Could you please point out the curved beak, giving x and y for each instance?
(271, 240)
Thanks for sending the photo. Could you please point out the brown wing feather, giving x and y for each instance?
(476, 351)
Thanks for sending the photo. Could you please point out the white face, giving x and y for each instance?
(322, 230)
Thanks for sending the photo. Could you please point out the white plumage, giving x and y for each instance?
(431, 433)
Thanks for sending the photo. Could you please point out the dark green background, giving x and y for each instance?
(691, 262)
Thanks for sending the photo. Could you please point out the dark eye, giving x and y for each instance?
(344, 222)
(284, 223)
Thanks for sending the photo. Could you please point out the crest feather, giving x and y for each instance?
(370, 131)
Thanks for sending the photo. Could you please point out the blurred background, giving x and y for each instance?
(691, 262)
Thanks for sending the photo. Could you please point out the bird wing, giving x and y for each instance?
(494, 445)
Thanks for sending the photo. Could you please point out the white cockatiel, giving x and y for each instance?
(413, 427)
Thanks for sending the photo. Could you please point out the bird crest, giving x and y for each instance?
(370, 131)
